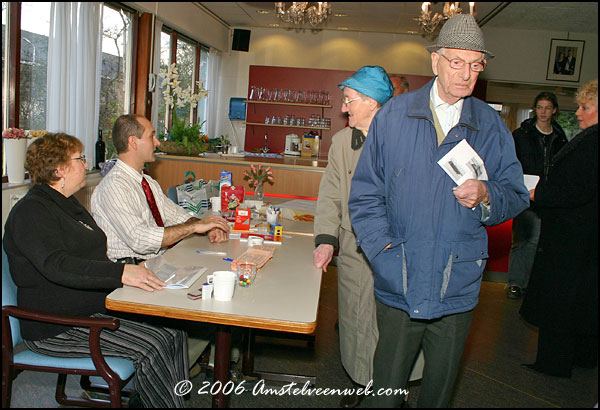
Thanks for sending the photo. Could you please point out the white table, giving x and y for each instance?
(284, 296)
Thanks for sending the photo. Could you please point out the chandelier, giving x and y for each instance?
(429, 23)
(298, 11)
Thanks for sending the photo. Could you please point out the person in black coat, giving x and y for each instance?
(536, 142)
(562, 299)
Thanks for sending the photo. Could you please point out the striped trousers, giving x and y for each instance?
(159, 354)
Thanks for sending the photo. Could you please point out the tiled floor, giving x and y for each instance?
(490, 375)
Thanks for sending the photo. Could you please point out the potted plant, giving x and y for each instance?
(15, 146)
(182, 138)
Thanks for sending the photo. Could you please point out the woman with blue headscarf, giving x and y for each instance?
(364, 94)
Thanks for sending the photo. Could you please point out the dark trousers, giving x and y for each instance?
(400, 339)
(558, 352)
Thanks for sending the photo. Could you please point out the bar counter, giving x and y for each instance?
(292, 175)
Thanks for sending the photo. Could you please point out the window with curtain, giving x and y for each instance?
(115, 74)
(191, 59)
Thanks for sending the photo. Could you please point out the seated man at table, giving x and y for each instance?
(139, 220)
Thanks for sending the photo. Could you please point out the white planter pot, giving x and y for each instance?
(14, 150)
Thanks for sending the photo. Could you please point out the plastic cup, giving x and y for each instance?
(246, 272)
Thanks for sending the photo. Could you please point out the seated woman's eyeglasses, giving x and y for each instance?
(457, 64)
(81, 158)
(348, 102)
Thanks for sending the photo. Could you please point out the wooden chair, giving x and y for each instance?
(116, 372)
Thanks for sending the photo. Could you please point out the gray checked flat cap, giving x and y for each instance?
(462, 32)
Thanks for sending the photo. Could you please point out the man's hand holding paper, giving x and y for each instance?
(466, 168)
(471, 193)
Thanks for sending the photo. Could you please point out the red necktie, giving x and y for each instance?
(152, 202)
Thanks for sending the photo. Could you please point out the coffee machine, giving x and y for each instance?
(292, 145)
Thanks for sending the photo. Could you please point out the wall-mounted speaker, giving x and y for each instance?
(241, 40)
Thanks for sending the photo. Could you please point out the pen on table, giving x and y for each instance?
(228, 259)
(212, 252)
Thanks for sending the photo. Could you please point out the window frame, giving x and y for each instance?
(198, 49)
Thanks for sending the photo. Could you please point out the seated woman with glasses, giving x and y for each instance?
(58, 261)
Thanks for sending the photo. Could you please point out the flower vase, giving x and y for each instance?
(258, 192)
(15, 150)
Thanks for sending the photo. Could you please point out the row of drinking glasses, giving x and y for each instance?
(314, 121)
(318, 122)
(288, 95)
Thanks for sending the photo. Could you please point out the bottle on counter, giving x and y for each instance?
(100, 149)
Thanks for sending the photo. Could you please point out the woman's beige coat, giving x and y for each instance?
(356, 302)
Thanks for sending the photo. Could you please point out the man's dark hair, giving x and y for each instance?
(125, 126)
(548, 96)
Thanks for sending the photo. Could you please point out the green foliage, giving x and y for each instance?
(568, 122)
(186, 136)
(221, 142)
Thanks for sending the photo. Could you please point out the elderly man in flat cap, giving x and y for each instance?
(364, 94)
(425, 236)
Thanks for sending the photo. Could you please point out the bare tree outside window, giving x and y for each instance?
(35, 29)
(186, 60)
(115, 75)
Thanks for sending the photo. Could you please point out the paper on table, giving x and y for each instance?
(462, 163)
(175, 277)
(299, 210)
(530, 181)
(301, 204)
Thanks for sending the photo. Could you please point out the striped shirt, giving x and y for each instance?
(120, 208)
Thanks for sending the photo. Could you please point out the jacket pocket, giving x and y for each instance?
(390, 270)
(464, 267)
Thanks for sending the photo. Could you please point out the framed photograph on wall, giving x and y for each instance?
(564, 61)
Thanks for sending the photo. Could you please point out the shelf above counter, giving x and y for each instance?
(287, 126)
(287, 103)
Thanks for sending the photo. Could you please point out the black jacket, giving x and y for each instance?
(57, 257)
(531, 149)
(563, 289)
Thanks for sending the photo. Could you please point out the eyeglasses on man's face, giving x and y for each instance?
(346, 101)
(81, 158)
(458, 64)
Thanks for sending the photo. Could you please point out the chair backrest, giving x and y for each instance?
(9, 297)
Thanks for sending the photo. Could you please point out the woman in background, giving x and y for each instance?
(57, 257)
(562, 299)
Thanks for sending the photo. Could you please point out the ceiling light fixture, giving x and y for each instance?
(429, 23)
(298, 11)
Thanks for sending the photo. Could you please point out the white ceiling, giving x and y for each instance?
(396, 17)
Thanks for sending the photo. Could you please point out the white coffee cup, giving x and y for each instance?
(272, 219)
(223, 282)
(215, 203)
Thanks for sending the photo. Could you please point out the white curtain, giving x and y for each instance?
(157, 93)
(74, 64)
(213, 86)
